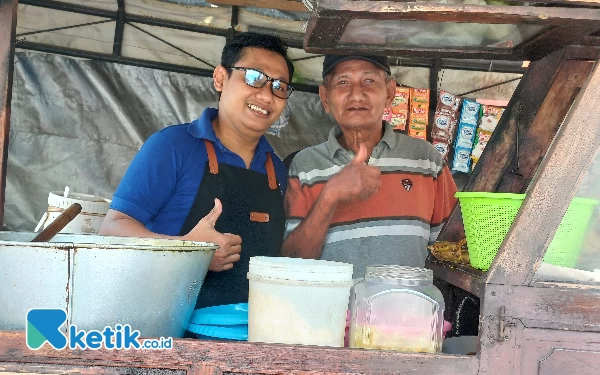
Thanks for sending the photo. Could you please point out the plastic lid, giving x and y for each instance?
(224, 315)
(239, 332)
(400, 273)
(299, 269)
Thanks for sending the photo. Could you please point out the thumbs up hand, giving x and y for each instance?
(357, 181)
(230, 245)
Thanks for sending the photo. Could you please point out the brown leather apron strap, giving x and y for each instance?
(213, 166)
(271, 172)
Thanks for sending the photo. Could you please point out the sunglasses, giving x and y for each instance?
(256, 78)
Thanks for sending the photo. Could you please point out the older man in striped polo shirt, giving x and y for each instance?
(368, 195)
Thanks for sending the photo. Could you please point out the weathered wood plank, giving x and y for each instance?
(463, 276)
(548, 199)
(499, 152)
(539, 345)
(394, 10)
(537, 137)
(287, 5)
(8, 24)
(245, 358)
(554, 39)
(324, 32)
(548, 307)
(7, 368)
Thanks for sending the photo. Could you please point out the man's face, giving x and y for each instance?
(356, 94)
(251, 111)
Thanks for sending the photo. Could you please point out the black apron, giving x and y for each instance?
(252, 209)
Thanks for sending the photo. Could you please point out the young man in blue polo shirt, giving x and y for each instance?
(216, 179)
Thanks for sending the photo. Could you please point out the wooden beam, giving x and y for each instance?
(549, 307)
(559, 176)
(324, 32)
(561, 2)
(464, 277)
(554, 39)
(537, 137)
(286, 5)
(585, 53)
(244, 358)
(500, 151)
(328, 45)
(8, 24)
(392, 10)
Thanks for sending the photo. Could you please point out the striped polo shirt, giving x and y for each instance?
(395, 225)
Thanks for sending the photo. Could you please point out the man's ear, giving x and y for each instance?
(390, 92)
(323, 96)
(220, 75)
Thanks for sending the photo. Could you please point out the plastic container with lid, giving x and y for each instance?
(396, 308)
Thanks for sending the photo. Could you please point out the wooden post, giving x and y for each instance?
(8, 24)
(568, 160)
(501, 148)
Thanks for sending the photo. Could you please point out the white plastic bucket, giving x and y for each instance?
(93, 210)
(298, 301)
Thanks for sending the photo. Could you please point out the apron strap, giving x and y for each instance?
(213, 166)
(271, 172)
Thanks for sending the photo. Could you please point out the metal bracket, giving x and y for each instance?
(502, 324)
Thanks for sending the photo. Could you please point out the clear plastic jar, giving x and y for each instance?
(396, 308)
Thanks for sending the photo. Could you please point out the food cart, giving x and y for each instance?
(531, 319)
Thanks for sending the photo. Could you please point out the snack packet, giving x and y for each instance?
(462, 159)
(466, 136)
(490, 116)
(470, 112)
(481, 140)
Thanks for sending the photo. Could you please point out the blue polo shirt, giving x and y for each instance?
(161, 182)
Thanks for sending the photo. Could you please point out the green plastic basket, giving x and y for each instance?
(488, 217)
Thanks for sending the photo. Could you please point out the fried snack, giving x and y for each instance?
(455, 252)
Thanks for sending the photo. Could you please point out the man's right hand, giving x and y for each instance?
(230, 245)
(357, 181)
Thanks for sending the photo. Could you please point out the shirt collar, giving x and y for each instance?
(389, 138)
(201, 128)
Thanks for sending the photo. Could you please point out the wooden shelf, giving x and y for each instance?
(462, 276)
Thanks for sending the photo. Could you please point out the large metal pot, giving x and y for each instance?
(101, 281)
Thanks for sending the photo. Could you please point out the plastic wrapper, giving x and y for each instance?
(442, 147)
(387, 115)
(399, 121)
(398, 113)
(444, 127)
(490, 116)
(470, 112)
(449, 102)
(421, 134)
(401, 98)
(481, 140)
(419, 113)
(445, 121)
(462, 159)
(466, 136)
(418, 122)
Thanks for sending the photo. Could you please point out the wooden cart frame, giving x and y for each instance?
(526, 327)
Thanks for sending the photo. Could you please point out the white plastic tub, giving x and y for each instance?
(89, 220)
(298, 301)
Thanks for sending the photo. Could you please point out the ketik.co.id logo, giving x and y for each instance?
(44, 326)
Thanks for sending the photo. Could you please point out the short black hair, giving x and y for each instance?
(232, 52)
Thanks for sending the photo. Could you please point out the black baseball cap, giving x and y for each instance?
(332, 60)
